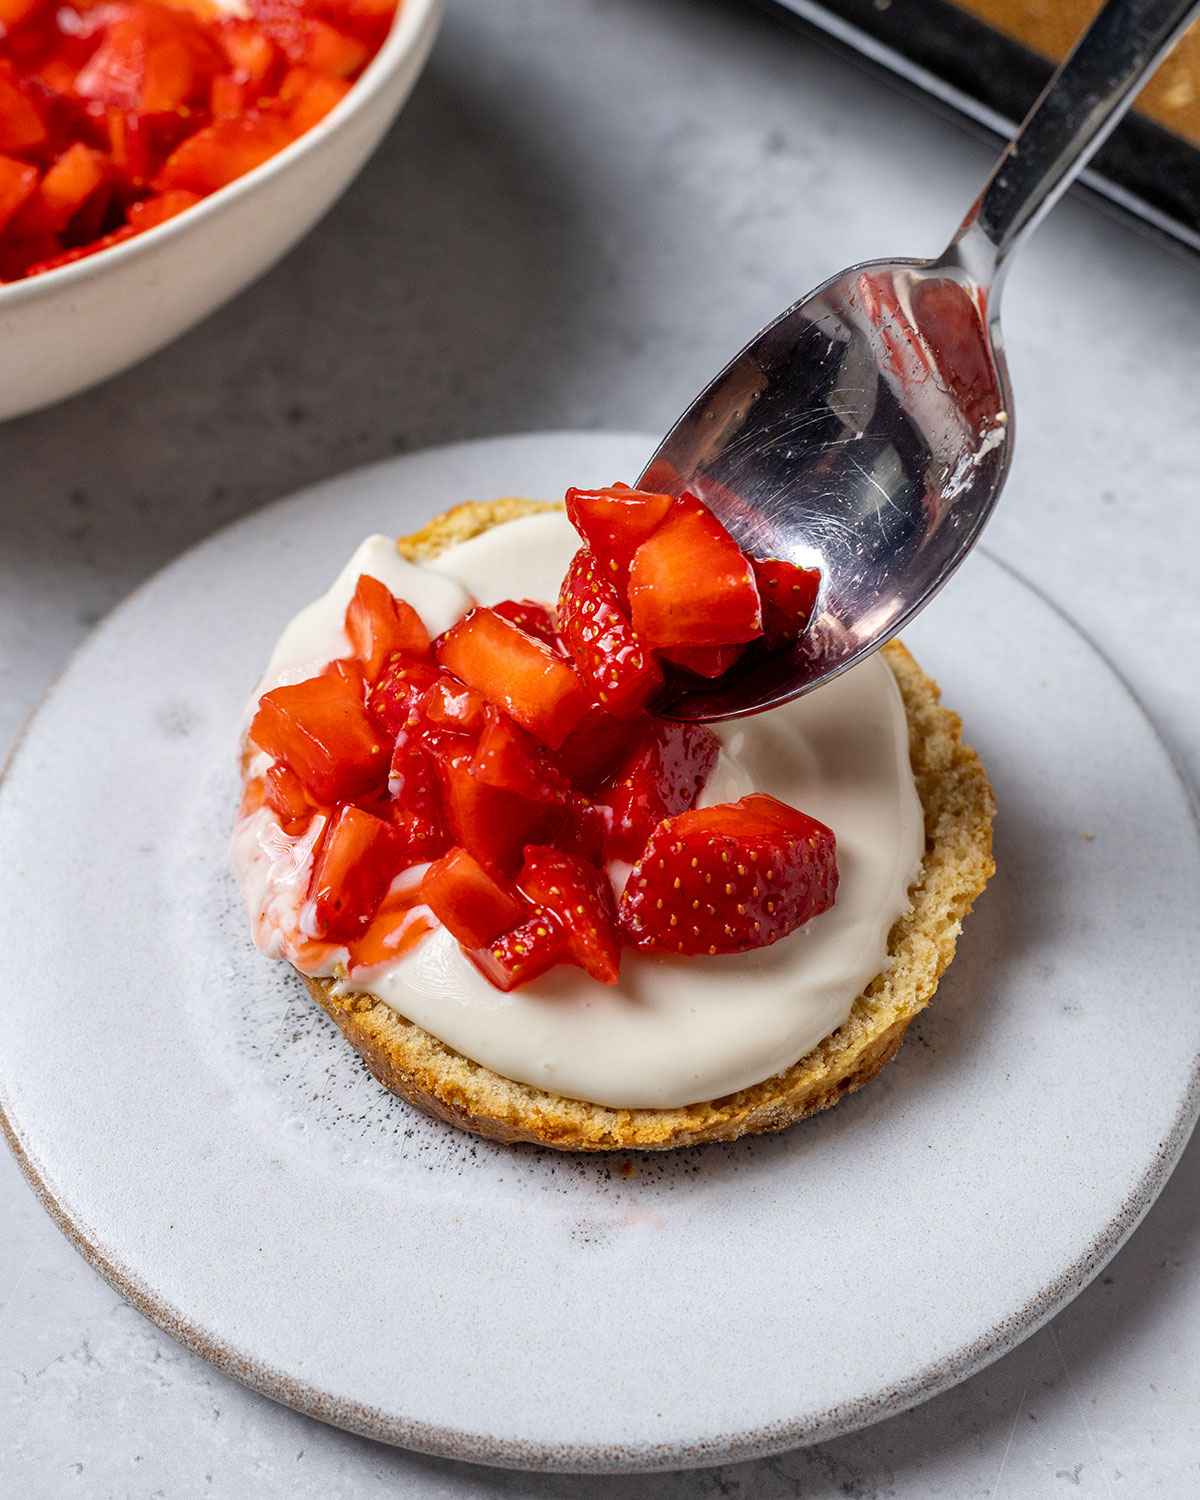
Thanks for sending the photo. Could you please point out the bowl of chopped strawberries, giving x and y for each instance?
(158, 155)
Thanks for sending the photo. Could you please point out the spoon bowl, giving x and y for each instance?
(867, 432)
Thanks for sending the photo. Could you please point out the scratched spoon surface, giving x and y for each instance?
(868, 431)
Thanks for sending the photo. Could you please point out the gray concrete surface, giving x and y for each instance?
(584, 209)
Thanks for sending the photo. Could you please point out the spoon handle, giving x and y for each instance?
(1070, 121)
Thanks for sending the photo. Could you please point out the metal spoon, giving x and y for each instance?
(868, 431)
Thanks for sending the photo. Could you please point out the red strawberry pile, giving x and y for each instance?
(518, 754)
(116, 115)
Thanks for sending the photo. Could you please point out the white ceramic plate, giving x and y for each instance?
(218, 1152)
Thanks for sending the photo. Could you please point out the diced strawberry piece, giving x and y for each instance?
(508, 758)
(138, 144)
(729, 878)
(350, 670)
(524, 953)
(380, 625)
(517, 673)
(252, 53)
(284, 793)
(614, 522)
(531, 617)
(494, 824)
(416, 810)
(18, 180)
(151, 59)
(703, 661)
(394, 700)
(320, 730)
(580, 826)
(152, 212)
(21, 125)
(620, 669)
(580, 896)
(663, 775)
(788, 595)
(314, 100)
(327, 50)
(358, 859)
(690, 585)
(450, 704)
(79, 173)
(467, 901)
(595, 747)
(223, 152)
(228, 98)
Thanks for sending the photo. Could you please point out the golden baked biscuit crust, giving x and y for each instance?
(959, 807)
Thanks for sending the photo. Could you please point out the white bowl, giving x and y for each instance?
(67, 329)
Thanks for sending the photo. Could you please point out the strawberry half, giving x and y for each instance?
(320, 730)
(788, 595)
(380, 625)
(467, 901)
(359, 858)
(614, 522)
(690, 585)
(729, 878)
(619, 668)
(662, 775)
(580, 897)
(524, 953)
(517, 672)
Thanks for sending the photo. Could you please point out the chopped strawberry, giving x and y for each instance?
(223, 152)
(467, 901)
(579, 895)
(788, 595)
(522, 954)
(314, 95)
(320, 730)
(595, 746)
(78, 175)
(380, 625)
(516, 672)
(416, 810)
(662, 775)
(580, 826)
(284, 793)
(21, 125)
(152, 212)
(18, 182)
(614, 522)
(690, 585)
(450, 704)
(729, 878)
(703, 661)
(509, 758)
(619, 668)
(531, 617)
(393, 701)
(151, 59)
(330, 51)
(494, 824)
(359, 858)
(350, 670)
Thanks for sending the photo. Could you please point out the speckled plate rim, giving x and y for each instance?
(722, 1448)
